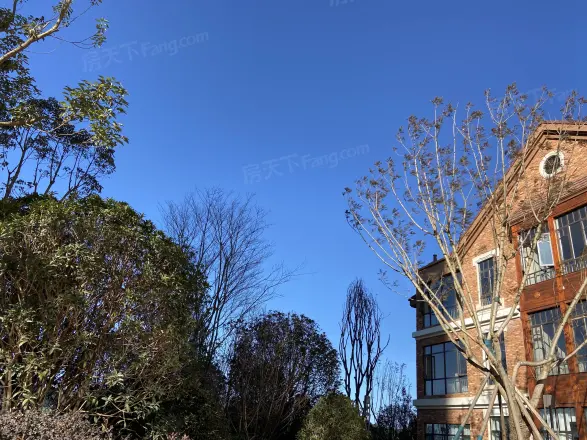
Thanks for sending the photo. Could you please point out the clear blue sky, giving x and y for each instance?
(274, 79)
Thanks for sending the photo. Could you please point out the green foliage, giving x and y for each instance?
(54, 155)
(37, 425)
(33, 127)
(195, 410)
(334, 418)
(280, 366)
(96, 309)
(98, 104)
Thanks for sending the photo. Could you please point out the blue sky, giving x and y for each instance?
(224, 89)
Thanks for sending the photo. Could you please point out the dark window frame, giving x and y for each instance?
(571, 228)
(553, 414)
(545, 272)
(461, 381)
(429, 318)
(579, 327)
(540, 320)
(445, 431)
(487, 274)
(495, 427)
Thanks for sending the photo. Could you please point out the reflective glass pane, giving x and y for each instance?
(577, 239)
(545, 253)
(565, 243)
(452, 386)
(438, 364)
(438, 387)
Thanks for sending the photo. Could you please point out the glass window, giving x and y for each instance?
(495, 425)
(444, 431)
(538, 262)
(487, 278)
(572, 238)
(543, 326)
(445, 370)
(579, 325)
(445, 291)
(562, 421)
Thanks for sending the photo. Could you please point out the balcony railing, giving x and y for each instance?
(574, 265)
(544, 274)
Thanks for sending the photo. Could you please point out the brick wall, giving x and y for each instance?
(529, 193)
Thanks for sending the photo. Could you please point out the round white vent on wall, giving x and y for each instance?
(551, 164)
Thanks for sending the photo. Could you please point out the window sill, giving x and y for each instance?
(483, 308)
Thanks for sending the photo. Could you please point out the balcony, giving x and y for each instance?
(573, 265)
(544, 274)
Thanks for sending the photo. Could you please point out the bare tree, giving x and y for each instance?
(445, 170)
(360, 344)
(392, 404)
(225, 232)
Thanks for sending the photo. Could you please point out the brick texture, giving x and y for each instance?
(570, 390)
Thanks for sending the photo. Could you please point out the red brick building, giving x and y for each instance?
(446, 384)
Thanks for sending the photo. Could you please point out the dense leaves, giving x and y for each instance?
(281, 365)
(334, 418)
(43, 425)
(96, 308)
(53, 156)
(47, 145)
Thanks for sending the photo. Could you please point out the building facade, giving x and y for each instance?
(446, 383)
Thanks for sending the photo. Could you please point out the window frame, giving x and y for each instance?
(554, 320)
(565, 231)
(567, 413)
(427, 311)
(579, 314)
(461, 378)
(494, 423)
(447, 434)
(546, 271)
(494, 253)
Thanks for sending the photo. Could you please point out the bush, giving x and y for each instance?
(98, 307)
(37, 425)
(334, 418)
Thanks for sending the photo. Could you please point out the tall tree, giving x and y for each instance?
(96, 309)
(280, 366)
(44, 141)
(360, 346)
(225, 234)
(446, 169)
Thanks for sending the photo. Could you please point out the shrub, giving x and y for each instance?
(37, 425)
(334, 418)
(98, 307)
